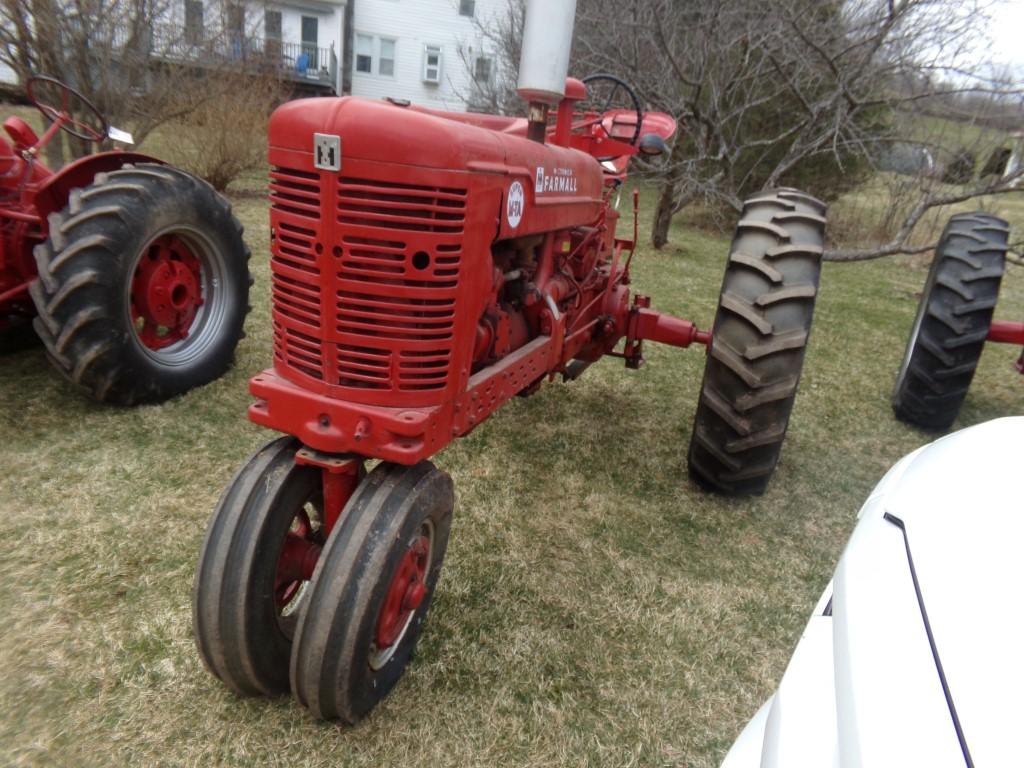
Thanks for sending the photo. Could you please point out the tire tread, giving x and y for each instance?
(758, 342)
(954, 315)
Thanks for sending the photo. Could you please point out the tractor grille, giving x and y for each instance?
(295, 210)
(396, 304)
(366, 301)
(401, 206)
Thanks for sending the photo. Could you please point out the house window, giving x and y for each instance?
(483, 70)
(236, 29)
(193, 22)
(386, 65)
(364, 54)
(236, 19)
(432, 64)
(310, 30)
(375, 55)
(467, 7)
(272, 25)
(272, 33)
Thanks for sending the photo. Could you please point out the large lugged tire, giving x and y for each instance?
(143, 285)
(758, 342)
(243, 612)
(952, 321)
(371, 591)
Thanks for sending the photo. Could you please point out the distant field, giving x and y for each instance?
(953, 134)
(858, 216)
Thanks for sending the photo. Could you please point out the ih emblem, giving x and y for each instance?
(328, 151)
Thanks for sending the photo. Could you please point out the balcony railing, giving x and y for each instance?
(300, 62)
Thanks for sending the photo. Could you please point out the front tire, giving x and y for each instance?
(758, 342)
(952, 321)
(371, 591)
(246, 600)
(143, 285)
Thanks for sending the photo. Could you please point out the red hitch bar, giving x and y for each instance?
(1005, 332)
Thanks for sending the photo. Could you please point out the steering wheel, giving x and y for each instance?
(602, 90)
(45, 92)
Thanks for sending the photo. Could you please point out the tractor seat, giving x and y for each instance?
(20, 132)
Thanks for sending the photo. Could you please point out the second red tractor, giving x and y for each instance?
(133, 273)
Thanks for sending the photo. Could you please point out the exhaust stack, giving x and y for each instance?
(544, 62)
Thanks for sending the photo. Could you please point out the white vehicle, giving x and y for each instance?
(913, 656)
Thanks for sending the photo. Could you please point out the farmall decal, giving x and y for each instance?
(559, 180)
(516, 203)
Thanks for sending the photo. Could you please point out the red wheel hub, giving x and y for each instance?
(166, 292)
(297, 560)
(405, 594)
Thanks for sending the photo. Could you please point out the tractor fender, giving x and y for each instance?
(52, 194)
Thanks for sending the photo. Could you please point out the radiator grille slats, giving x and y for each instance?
(409, 311)
(295, 282)
(362, 202)
(371, 304)
(296, 192)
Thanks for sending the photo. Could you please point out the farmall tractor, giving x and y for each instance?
(134, 271)
(427, 267)
(954, 320)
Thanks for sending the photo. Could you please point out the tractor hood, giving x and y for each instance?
(910, 657)
(380, 130)
(383, 131)
(525, 187)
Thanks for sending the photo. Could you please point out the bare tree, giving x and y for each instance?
(494, 91)
(795, 92)
(135, 59)
(808, 93)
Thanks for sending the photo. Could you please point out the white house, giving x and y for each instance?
(430, 52)
(304, 38)
(426, 51)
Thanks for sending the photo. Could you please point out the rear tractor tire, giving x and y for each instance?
(371, 591)
(952, 321)
(143, 285)
(758, 342)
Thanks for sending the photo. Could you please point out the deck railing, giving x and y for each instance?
(296, 61)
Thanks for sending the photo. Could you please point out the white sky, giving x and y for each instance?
(1007, 34)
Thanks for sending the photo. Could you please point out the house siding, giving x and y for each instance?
(414, 24)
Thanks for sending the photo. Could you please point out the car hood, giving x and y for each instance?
(911, 656)
(960, 502)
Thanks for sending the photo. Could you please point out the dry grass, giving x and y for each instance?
(871, 213)
(596, 607)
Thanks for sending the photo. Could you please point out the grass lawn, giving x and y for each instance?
(596, 607)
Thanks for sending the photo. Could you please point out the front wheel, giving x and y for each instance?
(758, 342)
(143, 285)
(371, 591)
(254, 568)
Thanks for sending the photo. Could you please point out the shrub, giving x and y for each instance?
(960, 168)
(226, 135)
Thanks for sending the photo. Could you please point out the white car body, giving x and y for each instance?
(913, 656)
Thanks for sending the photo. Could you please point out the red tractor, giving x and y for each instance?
(427, 267)
(954, 320)
(133, 273)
